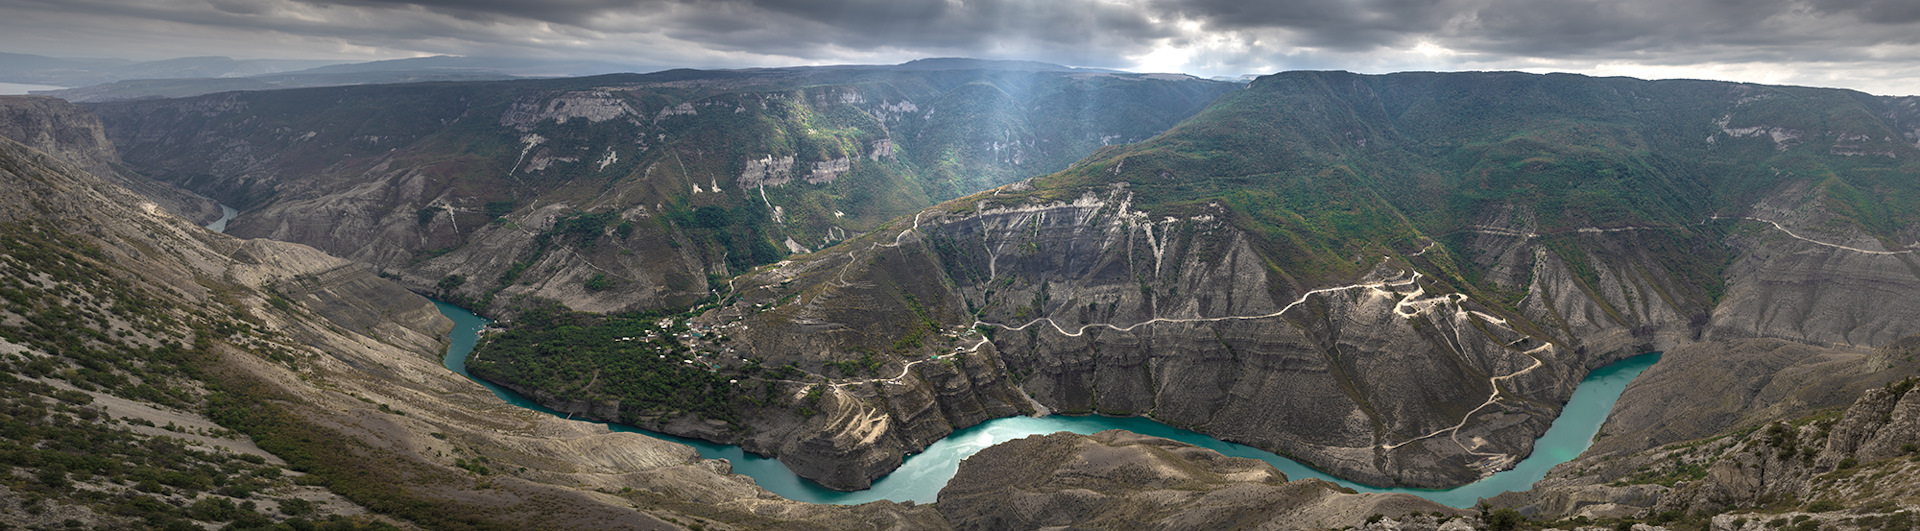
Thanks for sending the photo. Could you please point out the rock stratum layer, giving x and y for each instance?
(627, 192)
(305, 387)
(1120, 480)
(1352, 271)
(1395, 278)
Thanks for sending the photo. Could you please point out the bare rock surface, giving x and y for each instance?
(65, 131)
(1120, 480)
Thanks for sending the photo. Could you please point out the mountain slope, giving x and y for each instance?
(1395, 278)
(66, 131)
(158, 375)
(626, 192)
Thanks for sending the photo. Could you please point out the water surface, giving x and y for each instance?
(227, 214)
(921, 476)
(21, 89)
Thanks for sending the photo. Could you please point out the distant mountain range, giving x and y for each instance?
(42, 70)
(98, 80)
(105, 80)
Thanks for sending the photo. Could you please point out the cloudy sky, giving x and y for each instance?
(1870, 45)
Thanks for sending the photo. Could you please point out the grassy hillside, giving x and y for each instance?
(1326, 166)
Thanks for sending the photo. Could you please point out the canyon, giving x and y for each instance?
(1396, 279)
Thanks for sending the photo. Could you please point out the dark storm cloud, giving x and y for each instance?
(1346, 25)
(1576, 28)
(557, 11)
(1874, 11)
(1059, 30)
(1537, 28)
(1811, 41)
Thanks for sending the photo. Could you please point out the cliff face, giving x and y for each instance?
(332, 368)
(1695, 433)
(1857, 459)
(1395, 294)
(1116, 479)
(1094, 307)
(68, 132)
(520, 192)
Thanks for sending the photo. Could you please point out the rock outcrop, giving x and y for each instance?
(68, 132)
(1120, 480)
(1321, 261)
(425, 182)
(1860, 458)
(1711, 415)
(352, 361)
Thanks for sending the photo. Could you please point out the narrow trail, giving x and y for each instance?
(906, 368)
(1409, 304)
(1082, 330)
(1423, 250)
(1496, 231)
(1454, 430)
(1790, 233)
(851, 259)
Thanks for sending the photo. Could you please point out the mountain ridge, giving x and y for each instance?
(1436, 334)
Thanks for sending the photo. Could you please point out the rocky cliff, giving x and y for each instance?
(313, 390)
(1707, 403)
(625, 192)
(1119, 480)
(1859, 458)
(1373, 284)
(269, 361)
(66, 131)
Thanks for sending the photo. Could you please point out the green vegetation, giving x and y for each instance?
(577, 356)
(600, 282)
(1331, 170)
(584, 228)
(100, 333)
(884, 151)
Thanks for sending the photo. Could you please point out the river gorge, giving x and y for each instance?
(921, 476)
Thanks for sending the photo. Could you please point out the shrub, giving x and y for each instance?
(599, 282)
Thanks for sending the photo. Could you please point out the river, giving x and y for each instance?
(21, 89)
(227, 214)
(921, 476)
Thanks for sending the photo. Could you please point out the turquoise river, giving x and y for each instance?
(922, 475)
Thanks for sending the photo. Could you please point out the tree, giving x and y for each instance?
(1504, 520)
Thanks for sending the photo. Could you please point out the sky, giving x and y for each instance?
(1868, 45)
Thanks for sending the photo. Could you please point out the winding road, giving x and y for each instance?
(1790, 233)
